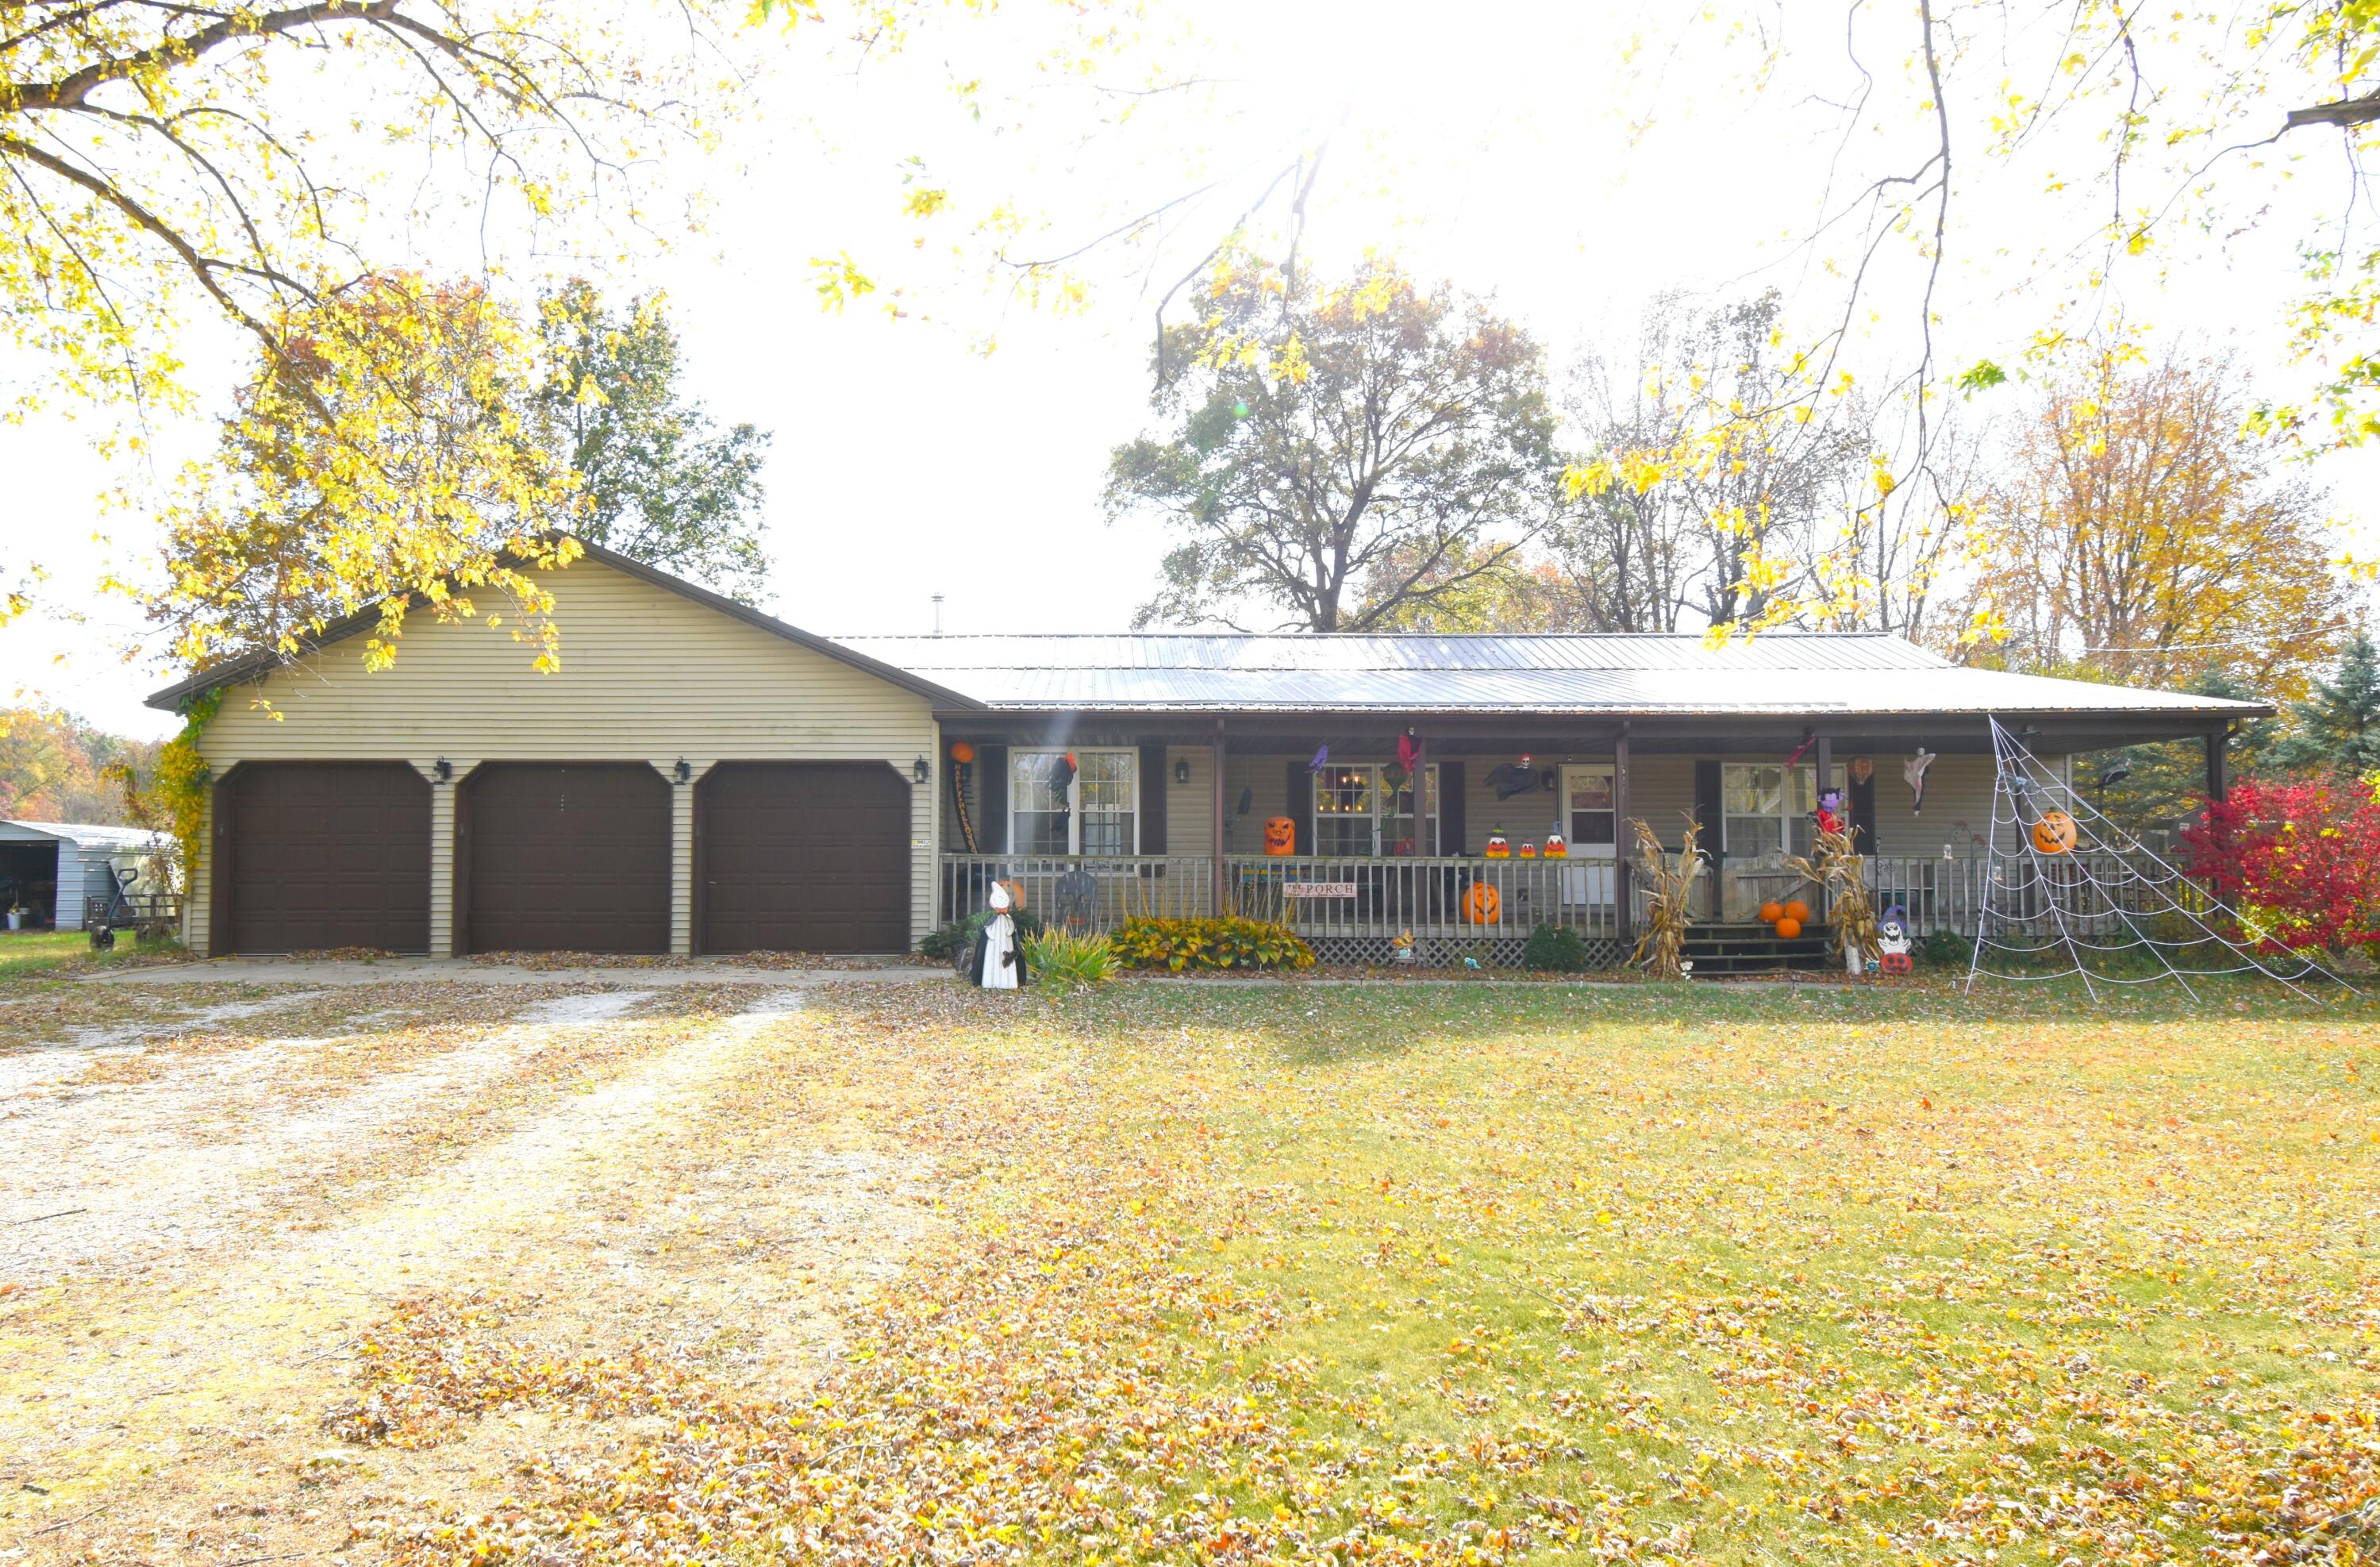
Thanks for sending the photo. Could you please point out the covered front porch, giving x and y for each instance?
(1463, 835)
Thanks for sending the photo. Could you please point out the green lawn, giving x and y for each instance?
(1506, 1272)
(54, 953)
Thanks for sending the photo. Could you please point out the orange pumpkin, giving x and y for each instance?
(1498, 849)
(1797, 911)
(1281, 835)
(1788, 928)
(2054, 834)
(1771, 912)
(961, 752)
(1483, 904)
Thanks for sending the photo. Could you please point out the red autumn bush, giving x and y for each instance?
(2299, 858)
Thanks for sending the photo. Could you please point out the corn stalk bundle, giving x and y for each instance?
(1660, 950)
(1841, 871)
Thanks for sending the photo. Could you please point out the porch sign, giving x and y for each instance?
(1317, 888)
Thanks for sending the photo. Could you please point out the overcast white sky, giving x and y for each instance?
(1489, 143)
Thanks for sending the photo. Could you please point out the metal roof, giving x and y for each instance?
(1776, 672)
(90, 834)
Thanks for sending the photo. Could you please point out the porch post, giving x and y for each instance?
(2217, 784)
(1215, 870)
(1623, 841)
(1825, 765)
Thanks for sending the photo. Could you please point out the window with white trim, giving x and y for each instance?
(1091, 808)
(1358, 813)
(1769, 809)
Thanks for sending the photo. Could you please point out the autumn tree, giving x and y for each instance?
(1340, 455)
(56, 767)
(159, 164)
(2137, 529)
(658, 478)
(400, 399)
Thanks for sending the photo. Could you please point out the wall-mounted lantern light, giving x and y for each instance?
(682, 771)
(445, 768)
(922, 771)
(1182, 769)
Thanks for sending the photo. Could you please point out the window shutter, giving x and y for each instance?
(1450, 825)
(1301, 804)
(992, 798)
(1154, 781)
(1707, 811)
(1863, 814)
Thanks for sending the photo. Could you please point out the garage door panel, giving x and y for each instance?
(804, 857)
(568, 858)
(325, 855)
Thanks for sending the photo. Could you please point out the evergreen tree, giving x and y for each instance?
(2167, 781)
(2337, 728)
(660, 480)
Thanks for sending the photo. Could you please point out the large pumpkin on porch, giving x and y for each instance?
(1280, 835)
(1797, 911)
(1789, 929)
(1771, 912)
(1482, 904)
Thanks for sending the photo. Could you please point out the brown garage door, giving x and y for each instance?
(567, 857)
(320, 855)
(803, 856)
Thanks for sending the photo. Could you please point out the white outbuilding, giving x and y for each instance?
(49, 869)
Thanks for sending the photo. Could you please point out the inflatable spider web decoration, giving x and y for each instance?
(2103, 890)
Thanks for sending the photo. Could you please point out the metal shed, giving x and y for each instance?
(53, 866)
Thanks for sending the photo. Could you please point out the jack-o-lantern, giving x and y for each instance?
(961, 752)
(1528, 849)
(1482, 904)
(1771, 912)
(1498, 849)
(1281, 835)
(1788, 928)
(1797, 911)
(2054, 834)
(1556, 847)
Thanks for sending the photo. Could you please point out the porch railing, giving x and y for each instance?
(1434, 896)
(1315, 896)
(2084, 890)
(1093, 893)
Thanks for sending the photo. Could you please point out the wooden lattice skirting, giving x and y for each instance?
(1448, 952)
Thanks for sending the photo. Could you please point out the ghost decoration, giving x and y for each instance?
(998, 963)
(1913, 769)
(1892, 940)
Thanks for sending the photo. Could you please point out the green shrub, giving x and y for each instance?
(1061, 957)
(951, 942)
(1946, 949)
(1233, 942)
(1554, 949)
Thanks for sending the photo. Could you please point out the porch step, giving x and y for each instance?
(1751, 947)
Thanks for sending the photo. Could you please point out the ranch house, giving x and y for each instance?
(699, 777)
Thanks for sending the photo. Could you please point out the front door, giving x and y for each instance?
(1591, 828)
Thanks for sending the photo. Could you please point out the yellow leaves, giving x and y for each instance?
(838, 281)
(920, 204)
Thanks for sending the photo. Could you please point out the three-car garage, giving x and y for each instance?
(563, 857)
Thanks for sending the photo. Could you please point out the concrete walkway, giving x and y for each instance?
(463, 971)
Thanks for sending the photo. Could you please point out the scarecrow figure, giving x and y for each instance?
(998, 963)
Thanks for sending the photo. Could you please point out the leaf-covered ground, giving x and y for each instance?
(1466, 1273)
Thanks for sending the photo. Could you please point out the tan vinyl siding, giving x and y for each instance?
(1190, 807)
(645, 675)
